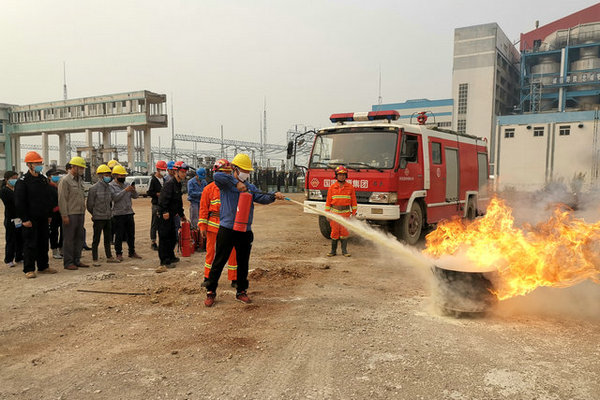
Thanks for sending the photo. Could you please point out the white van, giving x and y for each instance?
(141, 183)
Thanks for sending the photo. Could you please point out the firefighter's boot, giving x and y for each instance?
(345, 247)
(333, 251)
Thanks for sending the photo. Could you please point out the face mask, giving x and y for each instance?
(12, 182)
(163, 173)
(38, 168)
(55, 178)
(106, 179)
(121, 180)
(243, 176)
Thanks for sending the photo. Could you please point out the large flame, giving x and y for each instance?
(560, 252)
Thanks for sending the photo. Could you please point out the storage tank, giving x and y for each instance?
(588, 60)
(545, 71)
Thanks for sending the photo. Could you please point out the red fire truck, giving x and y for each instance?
(406, 176)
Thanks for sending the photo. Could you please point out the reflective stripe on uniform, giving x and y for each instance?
(341, 196)
(213, 224)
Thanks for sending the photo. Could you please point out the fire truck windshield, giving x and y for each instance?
(364, 149)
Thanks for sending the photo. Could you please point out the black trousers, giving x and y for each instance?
(14, 243)
(124, 227)
(167, 239)
(102, 226)
(227, 239)
(56, 237)
(35, 245)
(154, 223)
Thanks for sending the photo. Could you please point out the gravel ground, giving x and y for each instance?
(319, 328)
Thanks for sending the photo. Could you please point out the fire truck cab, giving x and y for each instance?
(406, 176)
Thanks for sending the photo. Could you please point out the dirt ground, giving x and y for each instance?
(319, 328)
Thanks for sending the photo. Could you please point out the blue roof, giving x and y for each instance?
(569, 116)
(414, 103)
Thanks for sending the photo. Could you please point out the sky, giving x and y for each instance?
(218, 61)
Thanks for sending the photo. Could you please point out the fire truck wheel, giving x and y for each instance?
(410, 226)
(324, 227)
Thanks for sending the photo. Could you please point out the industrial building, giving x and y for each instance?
(136, 113)
(553, 134)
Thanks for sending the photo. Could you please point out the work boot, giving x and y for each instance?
(96, 263)
(345, 248)
(160, 269)
(120, 257)
(210, 299)
(243, 297)
(333, 251)
(48, 270)
(112, 260)
(82, 265)
(30, 275)
(71, 267)
(135, 255)
(56, 254)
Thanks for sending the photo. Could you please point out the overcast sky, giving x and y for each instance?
(218, 60)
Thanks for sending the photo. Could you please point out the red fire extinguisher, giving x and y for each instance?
(243, 212)
(185, 242)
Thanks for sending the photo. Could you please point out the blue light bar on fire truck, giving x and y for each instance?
(390, 115)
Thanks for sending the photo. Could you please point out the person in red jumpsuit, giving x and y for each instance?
(341, 200)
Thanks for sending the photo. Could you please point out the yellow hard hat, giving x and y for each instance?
(78, 162)
(103, 169)
(242, 161)
(119, 170)
(111, 164)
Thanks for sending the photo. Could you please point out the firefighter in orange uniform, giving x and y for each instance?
(341, 200)
(208, 223)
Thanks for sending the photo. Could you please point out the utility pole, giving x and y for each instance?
(264, 141)
(222, 144)
(172, 130)
(65, 98)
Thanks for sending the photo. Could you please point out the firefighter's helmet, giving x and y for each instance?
(341, 170)
(222, 165)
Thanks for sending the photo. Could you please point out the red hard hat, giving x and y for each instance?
(33, 157)
(161, 164)
(341, 170)
(178, 163)
(222, 165)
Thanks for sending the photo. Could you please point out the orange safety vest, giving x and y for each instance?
(341, 198)
(210, 204)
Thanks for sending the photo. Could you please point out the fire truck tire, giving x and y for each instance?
(410, 226)
(324, 227)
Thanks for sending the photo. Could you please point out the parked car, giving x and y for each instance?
(141, 183)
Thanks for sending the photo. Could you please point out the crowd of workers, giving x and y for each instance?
(48, 211)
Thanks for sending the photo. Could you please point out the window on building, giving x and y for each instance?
(461, 126)
(436, 152)
(538, 131)
(509, 133)
(463, 90)
(564, 130)
(444, 124)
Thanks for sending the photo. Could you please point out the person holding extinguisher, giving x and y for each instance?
(234, 232)
(170, 205)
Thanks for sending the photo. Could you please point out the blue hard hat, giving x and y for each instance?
(170, 164)
(201, 173)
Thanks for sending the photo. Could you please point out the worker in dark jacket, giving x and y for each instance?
(56, 239)
(34, 207)
(154, 188)
(231, 185)
(13, 252)
(195, 186)
(170, 205)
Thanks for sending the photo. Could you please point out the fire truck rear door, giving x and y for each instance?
(452, 174)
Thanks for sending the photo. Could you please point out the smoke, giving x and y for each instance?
(577, 302)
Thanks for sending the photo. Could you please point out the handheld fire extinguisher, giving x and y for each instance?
(185, 242)
(243, 212)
